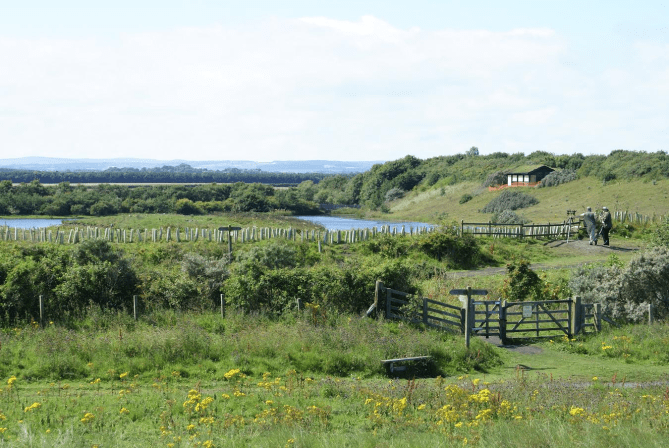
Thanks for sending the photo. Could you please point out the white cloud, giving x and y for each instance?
(318, 88)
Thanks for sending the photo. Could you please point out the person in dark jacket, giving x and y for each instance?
(607, 223)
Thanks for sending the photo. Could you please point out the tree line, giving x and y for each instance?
(371, 189)
(182, 173)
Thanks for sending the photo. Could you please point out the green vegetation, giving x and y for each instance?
(510, 200)
(314, 379)
(292, 362)
(182, 173)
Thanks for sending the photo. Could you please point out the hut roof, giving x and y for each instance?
(527, 169)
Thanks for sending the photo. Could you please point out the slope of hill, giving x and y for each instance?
(645, 197)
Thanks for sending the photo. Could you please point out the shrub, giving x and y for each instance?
(465, 198)
(209, 273)
(495, 179)
(558, 177)
(508, 217)
(625, 293)
(661, 235)
(394, 193)
(457, 251)
(510, 200)
(522, 282)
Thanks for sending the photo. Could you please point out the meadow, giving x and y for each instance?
(311, 379)
(183, 375)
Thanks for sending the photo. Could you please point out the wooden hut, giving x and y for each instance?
(528, 175)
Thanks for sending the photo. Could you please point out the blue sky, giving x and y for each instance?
(345, 80)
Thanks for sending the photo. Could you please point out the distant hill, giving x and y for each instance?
(304, 166)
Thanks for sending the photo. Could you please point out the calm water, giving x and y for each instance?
(339, 223)
(30, 223)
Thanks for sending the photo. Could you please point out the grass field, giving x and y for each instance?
(245, 381)
(647, 198)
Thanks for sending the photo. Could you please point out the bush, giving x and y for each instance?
(522, 282)
(660, 237)
(625, 293)
(457, 251)
(558, 177)
(508, 217)
(510, 200)
(394, 193)
(496, 178)
(465, 198)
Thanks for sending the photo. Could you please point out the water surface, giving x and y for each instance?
(343, 223)
(30, 223)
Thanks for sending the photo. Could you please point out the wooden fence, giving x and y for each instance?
(188, 234)
(564, 229)
(510, 321)
(548, 230)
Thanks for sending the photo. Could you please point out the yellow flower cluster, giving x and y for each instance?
(32, 407)
(88, 417)
(231, 373)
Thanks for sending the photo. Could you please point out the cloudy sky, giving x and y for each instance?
(336, 80)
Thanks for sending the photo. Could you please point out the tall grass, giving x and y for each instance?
(164, 341)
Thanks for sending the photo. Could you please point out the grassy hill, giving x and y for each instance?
(442, 203)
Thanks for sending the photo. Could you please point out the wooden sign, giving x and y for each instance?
(229, 228)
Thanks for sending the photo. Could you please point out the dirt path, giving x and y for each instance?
(576, 248)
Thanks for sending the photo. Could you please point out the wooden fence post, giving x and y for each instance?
(576, 315)
(222, 306)
(425, 311)
(650, 314)
(389, 295)
(598, 316)
(41, 311)
(469, 317)
(502, 321)
(134, 306)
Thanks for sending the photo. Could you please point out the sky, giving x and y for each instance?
(361, 80)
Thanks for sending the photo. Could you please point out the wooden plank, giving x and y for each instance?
(403, 302)
(520, 313)
(443, 313)
(399, 293)
(450, 322)
(463, 292)
(453, 327)
(411, 358)
(553, 318)
(542, 321)
(540, 302)
(445, 305)
(533, 330)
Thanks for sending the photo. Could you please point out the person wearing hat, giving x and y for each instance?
(589, 220)
(606, 225)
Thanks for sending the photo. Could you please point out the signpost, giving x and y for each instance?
(469, 309)
(229, 229)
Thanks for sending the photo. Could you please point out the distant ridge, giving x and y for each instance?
(285, 166)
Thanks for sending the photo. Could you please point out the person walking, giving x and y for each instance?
(607, 223)
(589, 219)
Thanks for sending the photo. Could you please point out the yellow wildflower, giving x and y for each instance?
(231, 373)
(33, 406)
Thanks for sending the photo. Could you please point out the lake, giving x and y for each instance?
(31, 223)
(339, 223)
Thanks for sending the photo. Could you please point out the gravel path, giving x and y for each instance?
(575, 247)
